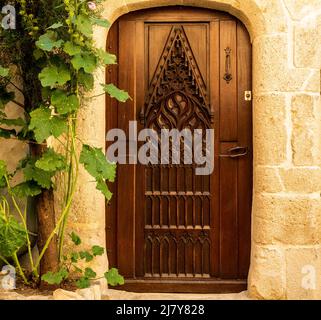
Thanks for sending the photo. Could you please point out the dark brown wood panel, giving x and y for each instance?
(167, 228)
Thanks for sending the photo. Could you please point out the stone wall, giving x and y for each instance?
(287, 141)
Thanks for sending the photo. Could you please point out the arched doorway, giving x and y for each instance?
(167, 229)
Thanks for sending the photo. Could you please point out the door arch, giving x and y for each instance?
(211, 252)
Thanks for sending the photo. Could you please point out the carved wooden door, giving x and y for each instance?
(169, 229)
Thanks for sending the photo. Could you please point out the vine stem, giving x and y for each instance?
(21, 273)
(59, 222)
(24, 222)
(5, 260)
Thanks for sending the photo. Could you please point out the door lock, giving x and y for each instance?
(248, 95)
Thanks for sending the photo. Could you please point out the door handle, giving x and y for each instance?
(236, 152)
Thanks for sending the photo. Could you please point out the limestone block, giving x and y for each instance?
(270, 133)
(267, 273)
(274, 69)
(300, 9)
(92, 293)
(267, 179)
(307, 37)
(301, 180)
(303, 273)
(61, 294)
(306, 131)
(286, 220)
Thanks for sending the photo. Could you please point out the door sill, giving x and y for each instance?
(177, 286)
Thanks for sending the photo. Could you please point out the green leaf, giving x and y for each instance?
(27, 189)
(55, 277)
(114, 278)
(4, 72)
(56, 25)
(83, 283)
(54, 75)
(48, 41)
(4, 133)
(85, 60)
(96, 163)
(51, 161)
(116, 93)
(3, 173)
(101, 22)
(72, 49)
(84, 25)
(90, 273)
(75, 239)
(37, 53)
(97, 250)
(85, 255)
(45, 125)
(74, 257)
(86, 80)
(103, 188)
(12, 236)
(19, 122)
(64, 103)
(106, 58)
(43, 178)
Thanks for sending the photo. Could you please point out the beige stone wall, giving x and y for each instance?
(287, 141)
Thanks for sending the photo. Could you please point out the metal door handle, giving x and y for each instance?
(236, 152)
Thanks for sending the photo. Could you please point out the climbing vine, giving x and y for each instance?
(53, 54)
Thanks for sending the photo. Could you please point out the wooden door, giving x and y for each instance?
(169, 230)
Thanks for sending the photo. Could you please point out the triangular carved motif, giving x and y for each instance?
(177, 98)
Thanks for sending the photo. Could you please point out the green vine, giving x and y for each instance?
(54, 54)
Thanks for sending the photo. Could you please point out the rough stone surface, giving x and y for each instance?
(287, 140)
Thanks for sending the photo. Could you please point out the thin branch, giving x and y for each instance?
(17, 88)
(18, 104)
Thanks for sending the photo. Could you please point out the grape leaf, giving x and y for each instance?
(86, 255)
(90, 273)
(116, 93)
(54, 75)
(12, 236)
(106, 57)
(101, 22)
(43, 178)
(45, 125)
(84, 25)
(55, 277)
(64, 103)
(75, 239)
(114, 278)
(19, 122)
(4, 72)
(97, 250)
(51, 161)
(3, 172)
(74, 256)
(48, 41)
(84, 60)
(56, 25)
(71, 48)
(86, 79)
(26, 189)
(83, 283)
(103, 188)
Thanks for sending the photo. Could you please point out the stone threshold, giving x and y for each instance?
(95, 293)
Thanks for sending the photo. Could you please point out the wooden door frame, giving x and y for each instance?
(212, 285)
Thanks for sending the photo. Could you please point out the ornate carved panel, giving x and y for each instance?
(175, 198)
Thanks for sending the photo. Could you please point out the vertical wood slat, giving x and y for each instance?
(228, 91)
(126, 173)
(245, 185)
(141, 171)
(215, 187)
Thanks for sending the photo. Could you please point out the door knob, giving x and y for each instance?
(236, 152)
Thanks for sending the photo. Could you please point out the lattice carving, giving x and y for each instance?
(177, 96)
